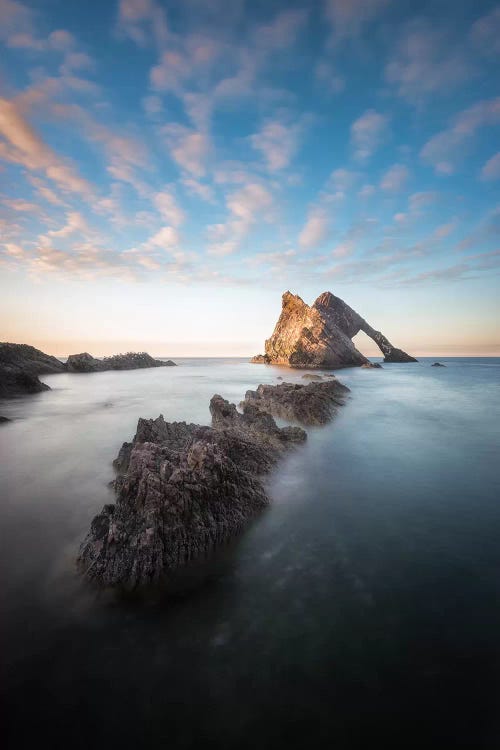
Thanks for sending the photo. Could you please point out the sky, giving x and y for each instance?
(168, 169)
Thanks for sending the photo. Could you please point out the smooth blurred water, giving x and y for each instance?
(362, 607)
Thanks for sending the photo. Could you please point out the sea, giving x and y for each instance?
(362, 609)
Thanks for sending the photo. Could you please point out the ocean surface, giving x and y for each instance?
(363, 608)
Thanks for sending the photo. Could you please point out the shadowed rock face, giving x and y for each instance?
(185, 489)
(20, 366)
(320, 335)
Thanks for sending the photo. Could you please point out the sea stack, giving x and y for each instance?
(320, 336)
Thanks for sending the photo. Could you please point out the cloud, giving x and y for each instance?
(75, 223)
(444, 230)
(15, 18)
(316, 229)
(328, 79)
(348, 17)
(426, 61)
(418, 201)
(22, 145)
(168, 208)
(368, 133)
(277, 143)
(21, 205)
(189, 148)
(491, 170)
(201, 190)
(395, 178)
(343, 180)
(485, 33)
(367, 191)
(251, 203)
(444, 149)
(143, 21)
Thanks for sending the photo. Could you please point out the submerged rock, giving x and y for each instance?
(309, 376)
(20, 366)
(320, 335)
(4, 420)
(184, 490)
(312, 404)
(438, 364)
(85, 362)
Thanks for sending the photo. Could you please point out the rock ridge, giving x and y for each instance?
(183, 489)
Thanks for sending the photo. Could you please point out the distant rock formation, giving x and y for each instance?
(319, 336)
(20, 366)
(131, 361)
(438, 364)
(184, 490)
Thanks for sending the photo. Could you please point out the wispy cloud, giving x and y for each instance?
(368, 132)
(491, 170)
(395, 178)
(443, 150)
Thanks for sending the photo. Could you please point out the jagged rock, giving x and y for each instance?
(312, 404)
(438, 364)
(372, 366)
(85, 362)
(20, 366)
(310, 376)
(320, 335)
(185, 490)
(260, 359)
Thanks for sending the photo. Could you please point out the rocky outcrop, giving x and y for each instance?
(320, 335)
(85, 362)
(372, 366)
(184, 490)
(20, 366)
(312, 404)
(438, 364)
(4, 420)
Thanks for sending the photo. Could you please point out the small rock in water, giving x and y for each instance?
(310, 376)
(371, 366)
(438, 364)
(3, 420)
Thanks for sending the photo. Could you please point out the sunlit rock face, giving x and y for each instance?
(320, 335)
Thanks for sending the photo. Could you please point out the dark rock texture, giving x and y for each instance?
(372, 366)
(185, 489)
(320, 335)
(312, 404)
(85, 362)
(4, 420)
(20, 366)
(438, 364)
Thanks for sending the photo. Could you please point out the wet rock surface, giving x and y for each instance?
(312, 404)
(320, 335)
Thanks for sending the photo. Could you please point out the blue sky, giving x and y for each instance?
(168, 169)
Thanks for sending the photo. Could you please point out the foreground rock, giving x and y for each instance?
(20, 366)
(320, 335)
(131, 361)
(312, 404)
(184, 489)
